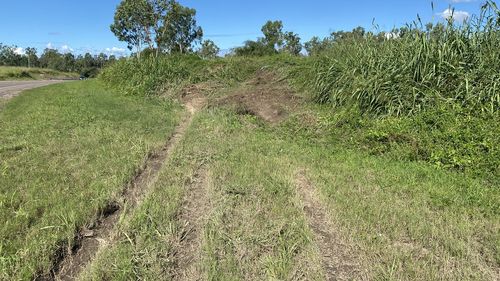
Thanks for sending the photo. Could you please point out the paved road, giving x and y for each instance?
(9, 89)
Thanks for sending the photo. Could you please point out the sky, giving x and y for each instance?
(83, 26)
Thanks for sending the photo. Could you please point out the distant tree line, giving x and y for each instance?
(87, 65)
(275, 41)
(154, 27)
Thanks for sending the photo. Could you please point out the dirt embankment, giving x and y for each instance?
(265, 96)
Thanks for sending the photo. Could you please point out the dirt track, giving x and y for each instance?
(91, 241)
(9, 89)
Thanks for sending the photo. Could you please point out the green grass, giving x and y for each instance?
(410, 221)
(153, 76)
(252, 233)
(65, 152)
(454, 64)
(446, 137)
(2, 103)
(401, 147)
(24, 73)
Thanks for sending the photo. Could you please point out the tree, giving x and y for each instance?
(133, 23)
(208, 49)
(32, 57)
(273, 34)
(316, 45)
(88, 60)
(166, 23)
(292, 43)
(357, 33)
(179, 29)
(273, 42)
(69, 62)
(111, 60)
(52, 59)
(101, 60)
(254, 48)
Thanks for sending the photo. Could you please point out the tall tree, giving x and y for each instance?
(32, 57)
(133, 23)
(52, 59)
(69, 63)
(179, 29)
(292, 43)
(273, 34)
(166, 23)
(8, 56)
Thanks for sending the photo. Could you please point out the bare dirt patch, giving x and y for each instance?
(337, 256)
(266, 96)
(195, 210)
(101, 233)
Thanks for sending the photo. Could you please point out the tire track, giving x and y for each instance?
(88, 242)
(192, 217)
(337, 258)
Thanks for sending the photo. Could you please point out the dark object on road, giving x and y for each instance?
(90, 72)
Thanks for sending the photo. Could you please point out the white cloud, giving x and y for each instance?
(50, 46)
(462, 1)
(459, 16)
(66, 49)
(115, 51)
(19, 51)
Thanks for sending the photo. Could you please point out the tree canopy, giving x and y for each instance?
(54, 59)
(164, 25)
(208, 49)
(275, 41)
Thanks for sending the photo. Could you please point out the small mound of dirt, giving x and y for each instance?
(198, 90)
(265, 96)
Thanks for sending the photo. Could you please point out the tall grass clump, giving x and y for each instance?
(152, 75)
(414, 70)
(146, 76)
(425, 93)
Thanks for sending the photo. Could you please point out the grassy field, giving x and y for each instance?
(397, 220)
(2, 103)
(374, 159)
(241, 196)
(24, 73)
(65, 152)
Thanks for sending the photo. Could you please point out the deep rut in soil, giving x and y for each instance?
(89, 242)
(336, 256)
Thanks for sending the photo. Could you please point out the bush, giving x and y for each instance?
(90, 72)
(446, 137)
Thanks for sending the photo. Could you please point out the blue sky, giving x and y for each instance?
(83, 26)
